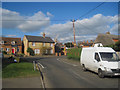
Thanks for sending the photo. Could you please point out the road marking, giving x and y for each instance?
(66, 62)
(41, 65)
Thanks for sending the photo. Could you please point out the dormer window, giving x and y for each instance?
(13, 42)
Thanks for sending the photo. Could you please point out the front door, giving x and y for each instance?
(13, 50)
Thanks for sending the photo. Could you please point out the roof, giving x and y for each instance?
(39, 39)
(106, 39)
(8, 40)
(99, 49)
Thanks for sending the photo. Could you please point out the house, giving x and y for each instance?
(106, 39)
(37, 43)
(11, 45)
(86, 44)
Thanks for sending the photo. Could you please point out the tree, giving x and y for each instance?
(30, 50)
(69, 44)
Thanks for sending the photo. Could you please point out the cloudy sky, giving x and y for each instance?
(34, 18)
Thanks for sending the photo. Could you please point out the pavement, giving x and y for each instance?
(29, 82)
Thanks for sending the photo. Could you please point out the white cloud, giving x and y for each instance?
(49, 14)
(89, 27)
(35, 22)
(10, 19)
(11, 35)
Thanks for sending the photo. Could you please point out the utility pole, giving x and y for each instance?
(74, 32)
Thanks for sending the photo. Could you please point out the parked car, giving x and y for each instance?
(102, 60)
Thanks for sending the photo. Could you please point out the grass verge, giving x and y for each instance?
(23, 69)
(74, 53)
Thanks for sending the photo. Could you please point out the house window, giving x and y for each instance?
(2, 49)
(43, 44)
(2, 42)
(33, 43)
(17, 49)
(51, 44)
(13, 42)
(37, 51)
(7, 49)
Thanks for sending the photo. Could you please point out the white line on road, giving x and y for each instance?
(41, 65)
(66, 62)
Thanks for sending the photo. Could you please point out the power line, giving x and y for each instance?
(91, 10)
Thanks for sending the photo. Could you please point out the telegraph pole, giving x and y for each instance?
(74, 32)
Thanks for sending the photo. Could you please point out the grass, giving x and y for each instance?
(14, 70)
(74, 53)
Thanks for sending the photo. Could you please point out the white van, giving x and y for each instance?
(102, 60)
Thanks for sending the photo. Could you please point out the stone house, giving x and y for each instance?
(11, 45)
(37, 43)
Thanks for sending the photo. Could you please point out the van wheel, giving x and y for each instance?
(83, 67)
(100, 74)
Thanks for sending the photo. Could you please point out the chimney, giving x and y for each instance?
(43, 35)
(87, 42)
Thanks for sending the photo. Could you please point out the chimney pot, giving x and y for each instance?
(44, 35)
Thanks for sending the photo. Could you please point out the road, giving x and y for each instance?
(64, 74)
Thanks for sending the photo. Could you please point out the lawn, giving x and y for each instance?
(74, 53)
(23, 69)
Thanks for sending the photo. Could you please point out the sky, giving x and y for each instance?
(55, 19)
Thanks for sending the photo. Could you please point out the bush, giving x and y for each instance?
(4, 52)
(74, 53)
(43, 50)
(30, 50)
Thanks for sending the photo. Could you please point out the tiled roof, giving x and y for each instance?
(8, 40)
(39, 39)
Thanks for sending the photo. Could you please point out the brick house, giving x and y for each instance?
(11, 45)
(107, 39)
(86, 44)
(37, 43)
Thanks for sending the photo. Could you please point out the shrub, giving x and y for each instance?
(43, 50)
(4, 52)
(30, 50)
(74, 53)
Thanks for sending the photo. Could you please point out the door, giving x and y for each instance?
(96, 62)
(13, 50)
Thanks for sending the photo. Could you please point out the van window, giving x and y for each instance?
(109, 56)
(97, 57)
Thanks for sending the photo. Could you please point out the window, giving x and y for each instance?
(109, 56)
(51, 44)
(7, 49)
(17, 49)
(43, 44)
(2, 42)
(37, 51)
(13, 42)
(33, 43)
(97, 57)
(2, 49)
